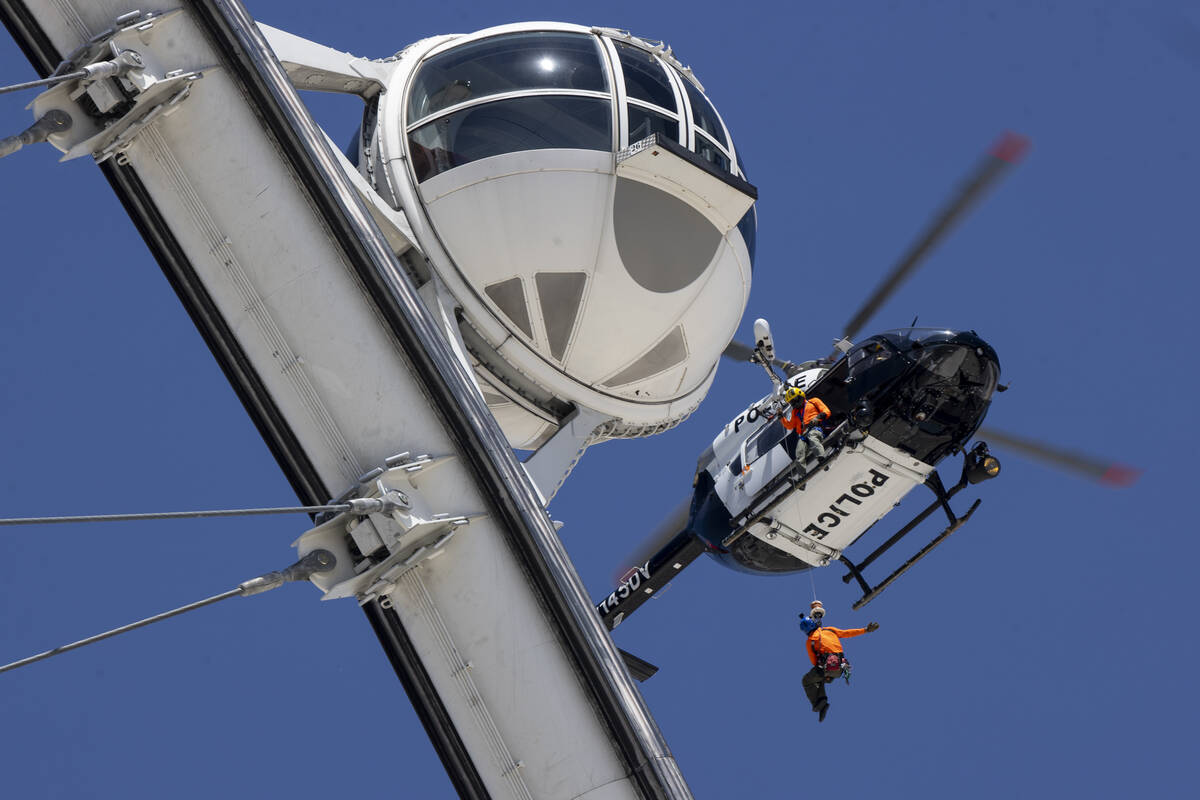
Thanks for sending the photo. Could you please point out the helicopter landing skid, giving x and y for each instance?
(942, 500)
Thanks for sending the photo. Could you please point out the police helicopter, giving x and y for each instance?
(899, 403)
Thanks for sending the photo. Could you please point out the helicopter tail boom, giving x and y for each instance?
(643, 581)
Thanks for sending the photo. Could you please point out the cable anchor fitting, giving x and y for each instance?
(386, 502)
(315, 562)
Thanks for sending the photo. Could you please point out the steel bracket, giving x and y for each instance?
(389, 530)
(135, 88)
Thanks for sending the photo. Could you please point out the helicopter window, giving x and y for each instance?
(645, 78)
(644, 122)
(512, 62)
(872, 368)
(705, 116)
(771, 434)
(759, 556)
(919, 335)
(508, 126)
(735, 466)
(867, 355)
(945, 364)
(984, 374)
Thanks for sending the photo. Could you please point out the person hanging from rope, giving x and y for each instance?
(825, 651)
(804, 416)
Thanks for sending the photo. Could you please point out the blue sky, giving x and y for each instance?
(1043, 649)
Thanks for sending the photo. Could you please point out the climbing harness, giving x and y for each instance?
(835, 665)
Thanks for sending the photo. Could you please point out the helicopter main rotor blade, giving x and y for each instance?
(1109, 473)
(1009, 150)
(667, 530)
(740, 351)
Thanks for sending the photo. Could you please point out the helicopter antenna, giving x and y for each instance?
(775, 380)
(764, 350)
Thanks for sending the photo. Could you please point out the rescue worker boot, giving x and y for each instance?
(822, 711)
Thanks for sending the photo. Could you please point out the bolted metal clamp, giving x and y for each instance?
(389, 500)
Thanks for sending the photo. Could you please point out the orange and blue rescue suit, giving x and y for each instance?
(829, 640)
(821, 643)
(801, 422)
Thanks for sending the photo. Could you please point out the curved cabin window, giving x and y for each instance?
(508, 126)
(711, 153)
(643, 122)
(561, 100)
(511, 63)
(705, 116)
(645, 78)
(749, 228)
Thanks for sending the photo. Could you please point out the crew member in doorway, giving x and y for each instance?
(804, 416)
(828, 659)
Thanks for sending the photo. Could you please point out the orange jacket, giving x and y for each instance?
(828, 640)
(812, 407)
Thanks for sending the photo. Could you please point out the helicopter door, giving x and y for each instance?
(765, 455)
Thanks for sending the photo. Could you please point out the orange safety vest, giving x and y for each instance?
(812, 408)
(828, 640)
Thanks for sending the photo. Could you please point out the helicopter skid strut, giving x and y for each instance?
(942, 500)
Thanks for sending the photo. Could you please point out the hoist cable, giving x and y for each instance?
(314, 562)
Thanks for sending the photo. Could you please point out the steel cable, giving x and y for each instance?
(175, 515)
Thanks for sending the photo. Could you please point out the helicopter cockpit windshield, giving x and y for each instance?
(928, 387)
(951, 354)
